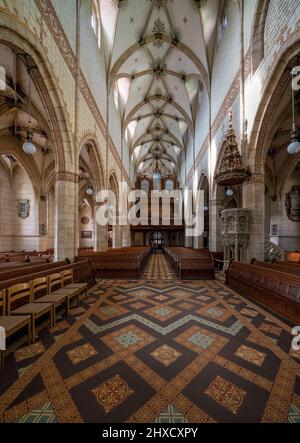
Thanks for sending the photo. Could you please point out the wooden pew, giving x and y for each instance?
(191, 264)
(275, 289)
(118, 263)
(29, 268)
(82, 271)
(289, 268)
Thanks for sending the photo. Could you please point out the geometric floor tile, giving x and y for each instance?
(197, 339)
(166, 355)
(109, 312)
(201, 340)
(43, 415)
(226, 394)
(171, 416)
(163, 313)
(81, 353)
(129, 339)
(294, 414)
(29, 351)
(249, 312)
(215, 312)
(112, 393)
(251, 355)
(271, 329)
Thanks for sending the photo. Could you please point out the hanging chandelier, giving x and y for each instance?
(229, 192)
(90, 189)
(28, 146)
(294, 146)
(231, 172)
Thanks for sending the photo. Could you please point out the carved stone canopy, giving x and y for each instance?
(231, 171)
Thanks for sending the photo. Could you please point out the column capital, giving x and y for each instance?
(255, 178)
(67, 176)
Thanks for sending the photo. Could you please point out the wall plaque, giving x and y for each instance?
(292, 204)
(23, 207)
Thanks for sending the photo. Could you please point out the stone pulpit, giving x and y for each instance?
(235, 233)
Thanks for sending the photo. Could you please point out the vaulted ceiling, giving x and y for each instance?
(159, 56)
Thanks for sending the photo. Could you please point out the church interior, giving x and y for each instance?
(137, 320)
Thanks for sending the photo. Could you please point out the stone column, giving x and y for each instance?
(215, 232)
(66, 229)
(254, 201)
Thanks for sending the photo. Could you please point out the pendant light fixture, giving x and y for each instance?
(229, 192)
(294, 146)
(28, 146)
(90, 189)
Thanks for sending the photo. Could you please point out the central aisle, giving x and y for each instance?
(158, 268)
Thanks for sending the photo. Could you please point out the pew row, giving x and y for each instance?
(191, 264)
(289, 268)
(82, 270)
(125, 263)
(19, 269)
(23, 304)
(274, 289)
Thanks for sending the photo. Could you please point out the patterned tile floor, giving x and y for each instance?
(158, 268)
(159, 352)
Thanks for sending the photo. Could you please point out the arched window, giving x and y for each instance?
(170, 185)
(96, 21)
(223, 23)
(145, 186)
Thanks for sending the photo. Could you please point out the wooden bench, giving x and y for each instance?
(289, 268)
(119, 263)
(275, 289)
(82, 271)
(191, 264)
(20, 269)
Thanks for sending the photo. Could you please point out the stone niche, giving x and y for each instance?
(292, 204)
(235, 223)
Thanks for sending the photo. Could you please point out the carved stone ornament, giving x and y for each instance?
(235, 232)
(23, 207)
(231, 171)
(292, 204)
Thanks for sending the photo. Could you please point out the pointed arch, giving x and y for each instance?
(18, 39)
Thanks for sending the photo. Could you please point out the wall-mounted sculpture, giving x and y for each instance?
(292, 204)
